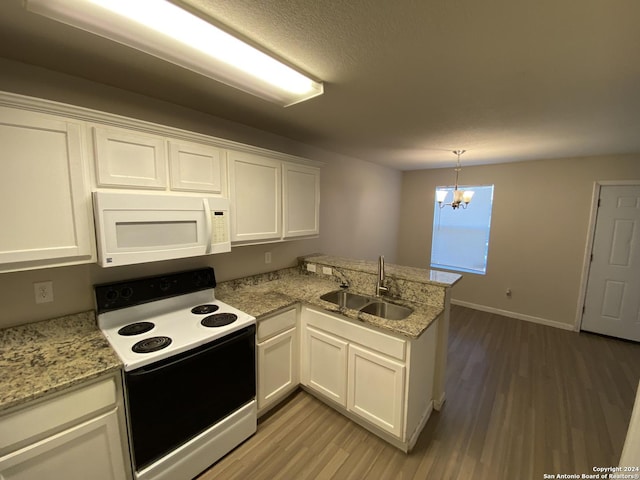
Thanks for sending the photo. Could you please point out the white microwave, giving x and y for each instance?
(137, 228)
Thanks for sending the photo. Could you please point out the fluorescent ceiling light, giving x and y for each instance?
(162, 29)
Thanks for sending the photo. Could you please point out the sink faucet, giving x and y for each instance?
(380, 288)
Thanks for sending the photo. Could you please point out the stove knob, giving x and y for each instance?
(111, 294)
(126, 292)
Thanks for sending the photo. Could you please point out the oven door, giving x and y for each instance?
(172, 401)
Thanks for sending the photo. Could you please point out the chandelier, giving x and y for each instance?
(461, 198)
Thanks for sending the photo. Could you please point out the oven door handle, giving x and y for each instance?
(232, 337)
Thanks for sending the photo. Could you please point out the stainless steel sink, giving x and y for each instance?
(373, 306)
(342, 298)
(389, 311)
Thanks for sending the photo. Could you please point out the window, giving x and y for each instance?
(461, 237)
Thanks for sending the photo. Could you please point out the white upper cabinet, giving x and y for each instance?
(272, 200)
(51, 162)
(45, 206)
(126, 158)
(301, 200)
(197, 168)
(256, 190)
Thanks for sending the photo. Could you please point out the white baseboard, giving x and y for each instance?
(519, 316)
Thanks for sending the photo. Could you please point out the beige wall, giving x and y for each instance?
(538, 231)
(354, 196)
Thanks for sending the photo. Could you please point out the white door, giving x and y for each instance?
(127, 158)
(256, 198)
(376, 389)
(325, 369)
(197, 168)
(612, 304)
(45, 208)
(277, 368)
(301, 200)
(89, 450)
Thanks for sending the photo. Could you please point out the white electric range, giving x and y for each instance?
(189, 370)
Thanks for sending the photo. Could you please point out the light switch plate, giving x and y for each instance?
(326, 270)
(311, 267)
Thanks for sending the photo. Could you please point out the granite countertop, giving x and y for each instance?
(44, 357)
(268, 297)
(418, 275)
(40, 358)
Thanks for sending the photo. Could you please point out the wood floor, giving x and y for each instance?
(522, 400)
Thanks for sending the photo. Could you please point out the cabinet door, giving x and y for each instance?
(125, 158)
(255, 198)
(89, 450)
(376, 389)
(301, 200)
(45, 205)
(277, 368)
(325, 366)
(197, 168)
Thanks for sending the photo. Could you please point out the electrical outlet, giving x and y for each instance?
(326, 270)
(267, 257)
(311, 267)
(43, 292)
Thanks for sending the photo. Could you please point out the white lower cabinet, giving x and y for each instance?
(278, 358)
(325, 365)
(381, 381)
(376, 388)
(277, 368)
(74, 436)
(89, 450)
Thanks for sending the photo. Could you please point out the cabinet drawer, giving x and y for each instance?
(275, 324)
(55, 413)
(392, 346)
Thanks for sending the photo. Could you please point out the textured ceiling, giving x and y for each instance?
(406, 81)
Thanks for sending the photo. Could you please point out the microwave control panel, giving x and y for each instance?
(220, 226)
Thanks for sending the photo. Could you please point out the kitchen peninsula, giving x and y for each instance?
(386, 375)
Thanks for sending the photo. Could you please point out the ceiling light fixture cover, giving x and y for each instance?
(162, 29)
